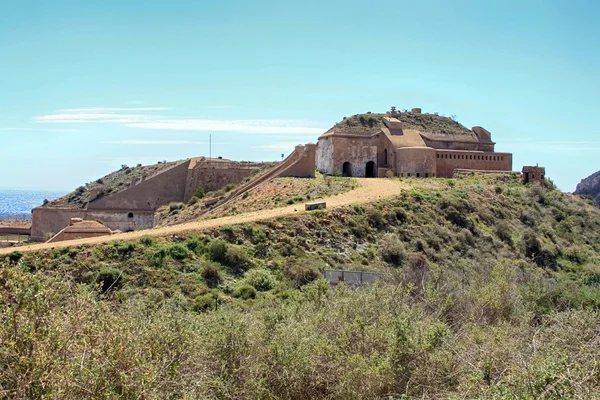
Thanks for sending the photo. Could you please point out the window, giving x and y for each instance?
(426, 175)
(130, 215)
(438, 156)
(502, 158)
(418, 176)
(408, 174)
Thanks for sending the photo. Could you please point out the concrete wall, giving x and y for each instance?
(304, 166)
(324, 157)
(213, 176)
(357, 151)
(456, 145)
(448, 161)
(416, 161)
(123, 220)
(65, 235)
(47, 222)
(148, 195)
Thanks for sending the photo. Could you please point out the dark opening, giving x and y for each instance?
(346, 169)
(370, 170)
(418, 175)
(426, 175)
(130, 215)
(385, 157)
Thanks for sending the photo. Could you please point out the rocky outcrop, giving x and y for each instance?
(590, 186)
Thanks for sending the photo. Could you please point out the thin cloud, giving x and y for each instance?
(112, 109)
(39, 130)
(159, 142)
(240, 126)
(277, 146)
(139, 120)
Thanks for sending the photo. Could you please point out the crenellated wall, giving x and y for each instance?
(448, 161)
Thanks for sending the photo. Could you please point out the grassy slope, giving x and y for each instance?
(490, 290)
(372, 123)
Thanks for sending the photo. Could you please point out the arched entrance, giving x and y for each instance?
(346, 169)
(370, 172)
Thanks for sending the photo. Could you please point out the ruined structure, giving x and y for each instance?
(533, 174)
(80, 229)
(407, 144)
(128, 199)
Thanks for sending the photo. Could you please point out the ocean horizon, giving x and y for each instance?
(18, 203)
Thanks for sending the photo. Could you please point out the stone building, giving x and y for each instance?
(409, 144)
(533, 174)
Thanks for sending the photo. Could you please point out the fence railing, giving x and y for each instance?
(351, 277)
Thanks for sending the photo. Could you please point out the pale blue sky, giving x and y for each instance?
(86, 86)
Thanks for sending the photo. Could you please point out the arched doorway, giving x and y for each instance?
(370, 170)
(346, 169)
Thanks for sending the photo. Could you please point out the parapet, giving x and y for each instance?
(481, 133)
(392, 123)
(416, 110)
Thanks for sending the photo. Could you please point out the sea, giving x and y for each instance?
(17, 204)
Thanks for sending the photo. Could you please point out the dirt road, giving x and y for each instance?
(369, 190)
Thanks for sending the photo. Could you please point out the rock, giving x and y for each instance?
(590, 186)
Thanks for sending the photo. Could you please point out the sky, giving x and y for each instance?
(86, 86)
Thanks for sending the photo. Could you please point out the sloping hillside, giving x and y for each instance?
(590, 186)
(489, 289)
(111, 183)
(370, 123)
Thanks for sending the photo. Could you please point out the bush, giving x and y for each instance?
(193, 201)
(393, 251)
(159, 256)
(147, 241)
(336, 172)
(204, 303)
(261, 279)
(217, 250)
(14, 257)
(504, 233)
(211, 275)
(237, 259)
(194, 245)
(301, 272)
(245, 292)
(109, 278)
(199, 193)
(179, 252)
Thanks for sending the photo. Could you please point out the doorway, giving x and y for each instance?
(370, 170)
(346, 169)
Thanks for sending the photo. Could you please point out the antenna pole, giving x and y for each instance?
(210, 145)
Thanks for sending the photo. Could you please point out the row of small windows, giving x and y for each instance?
(418, 175)
(470, 157)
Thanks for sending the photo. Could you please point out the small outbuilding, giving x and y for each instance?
(79, 229)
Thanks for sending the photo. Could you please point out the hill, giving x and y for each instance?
(370, 123)
(111, 183)
(489, 289)
(590, 186)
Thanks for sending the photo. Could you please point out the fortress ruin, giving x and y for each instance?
(404, 144)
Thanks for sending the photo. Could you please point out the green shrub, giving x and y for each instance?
(14, 257)
(194, 244)
(228, 187)
(261, 279)
(504, 232)
(217, 249)
(237, 259)
(159, 256)
(393, 251)
(245, 292)
(109, 278)
(179, 252)
(301, 272)
(211, 275)
(193, 200)
(204, 303)
(336, 172)
(147, 241)
(199, 193)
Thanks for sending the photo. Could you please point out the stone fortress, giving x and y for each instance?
(404, 144)
(407, 144)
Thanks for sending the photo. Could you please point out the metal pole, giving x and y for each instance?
(210, 145)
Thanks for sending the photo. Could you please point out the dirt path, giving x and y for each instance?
(369, 190)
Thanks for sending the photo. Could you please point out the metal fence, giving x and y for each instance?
(351, 277)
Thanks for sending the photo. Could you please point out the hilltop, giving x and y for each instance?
(109, 184)
(590, 186)
(489, 289)
(370, 123)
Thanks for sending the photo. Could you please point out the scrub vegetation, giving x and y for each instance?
(488, 289)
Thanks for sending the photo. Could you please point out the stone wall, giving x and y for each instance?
(419, 162)
(123, 220)
(304, 166)
(47, 222)
(447, 161)
(149, 194)
(324, 157)
(213, 175)
(533, 174)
